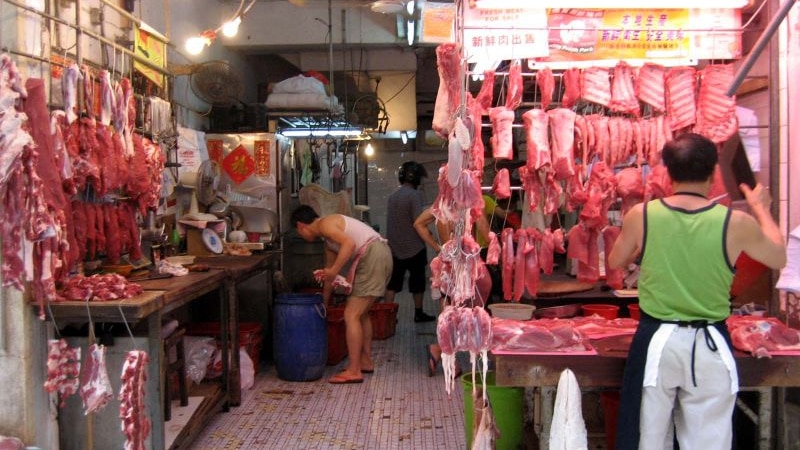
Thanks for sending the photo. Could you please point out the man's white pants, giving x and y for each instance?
(702, 415)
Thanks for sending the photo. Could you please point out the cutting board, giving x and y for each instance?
(557, 288)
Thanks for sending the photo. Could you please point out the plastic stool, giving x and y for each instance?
(178, 367)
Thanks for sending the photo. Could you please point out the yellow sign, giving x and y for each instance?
(154, 51)
(592, 34)
(437, 22)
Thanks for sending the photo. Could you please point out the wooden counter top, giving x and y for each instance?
(179, 291)
(237, 267)
(133, 309)
(606, 368)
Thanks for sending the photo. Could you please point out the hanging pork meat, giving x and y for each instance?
(623, 96)
(537, 139)
(650, 86)
(486, 94)
(571, 78)
(448, 64)
(596, 85)
(546, 84)
(681, 104)
(502, 119)
(514, 87)
(716, 112)
(562, 143)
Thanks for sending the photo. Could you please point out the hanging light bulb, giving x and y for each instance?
(230, 28)
(195, 45)
(369, 151)
(411, 33)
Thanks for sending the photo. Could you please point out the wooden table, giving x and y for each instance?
(165, 295)
(237, 270)
(605, 370)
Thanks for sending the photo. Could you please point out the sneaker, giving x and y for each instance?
(422, 317)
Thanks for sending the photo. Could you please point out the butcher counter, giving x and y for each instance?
(165, 295)
(605, 369)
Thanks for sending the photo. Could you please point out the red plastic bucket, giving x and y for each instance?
(633, 310)
(606, 311)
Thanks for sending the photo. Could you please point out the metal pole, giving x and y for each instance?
(763, 40)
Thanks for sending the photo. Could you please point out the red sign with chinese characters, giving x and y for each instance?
(261, 155)
(214, 149)
(239, 165)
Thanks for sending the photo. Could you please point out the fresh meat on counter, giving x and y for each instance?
(596, 327)
(105, 287)
(761, 336)
(536, 336)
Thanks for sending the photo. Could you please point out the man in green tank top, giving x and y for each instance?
(680, 374)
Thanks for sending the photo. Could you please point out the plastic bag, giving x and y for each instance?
(200, 350)
(247, 371)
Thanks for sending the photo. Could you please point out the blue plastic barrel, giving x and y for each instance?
(300, 341)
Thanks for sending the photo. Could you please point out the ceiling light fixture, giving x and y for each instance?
(612, 4)
(369, 151)
(321, 132)
(229, 28)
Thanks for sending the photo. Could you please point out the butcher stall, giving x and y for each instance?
(572, 124)
(95, 168)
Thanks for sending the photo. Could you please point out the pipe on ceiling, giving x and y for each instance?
(762, 42)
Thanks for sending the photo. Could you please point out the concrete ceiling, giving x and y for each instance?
(348, 42)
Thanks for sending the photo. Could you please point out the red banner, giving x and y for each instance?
(239, 165)
(261, 155)
(214, 149)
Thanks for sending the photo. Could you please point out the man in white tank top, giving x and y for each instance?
(349, 240)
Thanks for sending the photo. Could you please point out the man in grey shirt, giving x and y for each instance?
(408, 249)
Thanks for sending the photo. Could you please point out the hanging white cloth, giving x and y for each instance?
(568, 430)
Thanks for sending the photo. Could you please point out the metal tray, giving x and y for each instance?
(562, 311)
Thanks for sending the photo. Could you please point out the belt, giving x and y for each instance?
(691, 323)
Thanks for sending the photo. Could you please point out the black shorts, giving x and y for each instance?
(415, 266)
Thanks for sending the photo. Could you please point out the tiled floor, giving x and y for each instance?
(397, 407)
